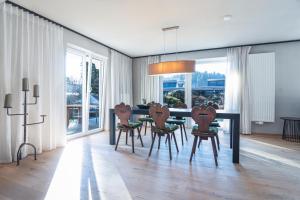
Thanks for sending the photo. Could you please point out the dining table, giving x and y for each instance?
(234, 128)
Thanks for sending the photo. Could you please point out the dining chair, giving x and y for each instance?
(123, 112)
(160, 114)
(203, 116)
(215, 123)
(180, 121)
(147, 119)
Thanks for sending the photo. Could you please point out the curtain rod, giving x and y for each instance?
(218, 48)
(65, 27)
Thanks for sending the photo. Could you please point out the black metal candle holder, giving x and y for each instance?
(7, 105)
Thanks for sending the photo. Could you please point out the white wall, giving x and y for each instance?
(287, 79)
(287, 83)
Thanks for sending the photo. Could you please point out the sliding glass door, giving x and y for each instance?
(94, 93)
(74, 88)
(84, 78)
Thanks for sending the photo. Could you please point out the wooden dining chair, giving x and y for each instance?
(123, 112)
(214, 123)
(161, 128)
(203, 116)
(147, 119)
(180, 121)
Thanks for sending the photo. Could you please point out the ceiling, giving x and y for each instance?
(134, 26)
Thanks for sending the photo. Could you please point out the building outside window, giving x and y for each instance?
(173, 89)
(206, 85)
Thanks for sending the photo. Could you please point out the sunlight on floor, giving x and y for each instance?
(89, 177)
(67, 178)
(270, 145)
(270, 156)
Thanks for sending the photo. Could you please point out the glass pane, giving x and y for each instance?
(173, 89)
(94, 91)
(74, 81)
(208, 84)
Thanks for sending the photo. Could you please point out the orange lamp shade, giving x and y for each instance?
(172, 67)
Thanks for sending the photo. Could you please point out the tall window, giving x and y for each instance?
(208, 83)
(84, 78)
(173, 89)
(205, 86)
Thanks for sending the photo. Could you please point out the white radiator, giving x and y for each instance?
(262, 86)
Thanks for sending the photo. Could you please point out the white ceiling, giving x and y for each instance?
(134, 26)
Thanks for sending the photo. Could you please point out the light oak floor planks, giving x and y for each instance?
(89, 168)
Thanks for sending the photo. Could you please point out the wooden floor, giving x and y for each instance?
(89, 168)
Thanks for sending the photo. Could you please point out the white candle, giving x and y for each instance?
(25, 84)
(8, 101)
(36, 91)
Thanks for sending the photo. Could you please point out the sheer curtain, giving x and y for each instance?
(144, 86)
(237, 92)
(118, 83)
(31, 47)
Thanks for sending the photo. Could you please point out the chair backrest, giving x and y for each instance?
(123, 112)
(150, 103)
(159, 114)
(203, 116)
(180, 105)
(214, 105)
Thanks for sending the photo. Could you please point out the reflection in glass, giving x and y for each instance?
(74, 81)
(94, 100)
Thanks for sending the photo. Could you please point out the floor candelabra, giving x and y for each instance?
(8, 106)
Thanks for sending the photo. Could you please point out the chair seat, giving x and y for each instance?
(131, 125)
(215, 124)
(211, 130)
(146, 119)
(169, 128)
(176, 121)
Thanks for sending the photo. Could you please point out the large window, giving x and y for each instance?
(84, 75)
(205, 86)
(173, 89)
(208, 83)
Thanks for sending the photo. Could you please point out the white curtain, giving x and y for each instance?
(31, 47)
(145, 86)
(118, 83)
(237, 92)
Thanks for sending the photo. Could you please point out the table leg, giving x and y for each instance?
(112, 127)
(230, 131)
(283, 129)
(236, 140)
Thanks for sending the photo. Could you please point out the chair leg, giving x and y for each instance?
(132, 140)
(213, 143)
(185, 132)
(159, 137)
(152, 145)
(218, 141)
(151, 131)
(193, 148)
(127, 137)
(199, 142)
(145, 128)
(170, 151)
(181, 134)
(175, 141)
(166, 140)
(118, 140)
(139, 136)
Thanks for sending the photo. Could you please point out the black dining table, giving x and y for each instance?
(221, 114)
